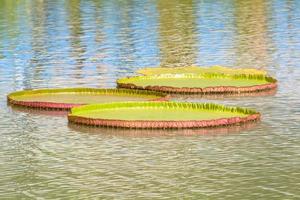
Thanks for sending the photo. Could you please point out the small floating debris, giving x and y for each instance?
(68, 98)
(200, 83)
(200, 70)
(160, 115)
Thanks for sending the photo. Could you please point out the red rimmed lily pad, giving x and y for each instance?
(160, 115)
(70, 97)
(200, 83)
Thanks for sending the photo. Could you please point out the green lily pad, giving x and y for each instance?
(200, 83)
(70, 97)
(200, 70)
(160, 115)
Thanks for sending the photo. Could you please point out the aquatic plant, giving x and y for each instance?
(200, 83)
(160, 115)
(66, 98)
(200, 70)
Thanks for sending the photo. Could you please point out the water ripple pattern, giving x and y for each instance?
(80, 43)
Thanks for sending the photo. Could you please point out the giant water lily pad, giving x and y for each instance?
(200, 70)
(70, 97)
(160, 115)
(199, 83)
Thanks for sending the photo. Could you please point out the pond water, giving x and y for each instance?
(91, 43)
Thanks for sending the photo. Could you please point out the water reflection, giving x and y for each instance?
(252, 40)
(97, 53)
(76, 33)
(215, 33)
(38, 43)
(92, 43)
(9, 18)
(37, 111)
(161, 132)
(177, 27)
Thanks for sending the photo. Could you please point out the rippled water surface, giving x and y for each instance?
(91, 43)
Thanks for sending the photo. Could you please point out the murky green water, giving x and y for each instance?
(91, 43)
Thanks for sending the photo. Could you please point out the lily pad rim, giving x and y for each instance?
(74, 117)
(155, 104)
(85, 90)
(158, 96)
(271, 83)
